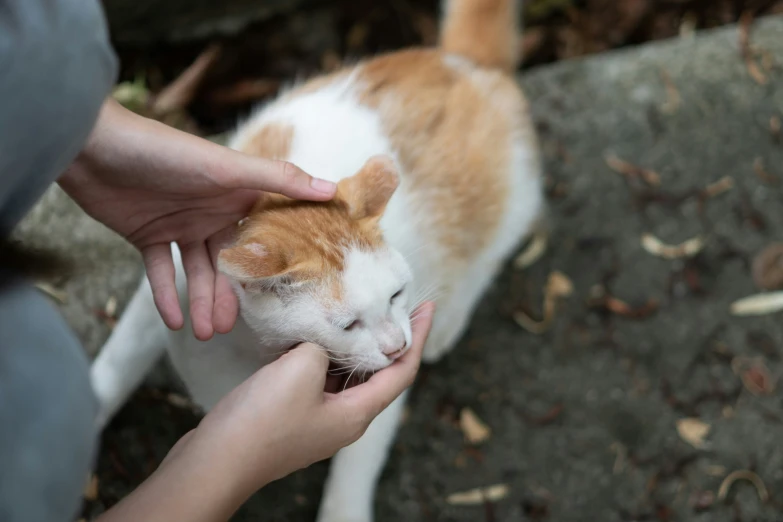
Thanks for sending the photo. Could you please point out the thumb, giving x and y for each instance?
(306, 364)
(281, 177)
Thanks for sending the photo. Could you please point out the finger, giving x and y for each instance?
(160, 272)
(373, 396)
(226, 306)
(201, 288)
(241, 171)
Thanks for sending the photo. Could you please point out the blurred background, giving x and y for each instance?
(266, 44)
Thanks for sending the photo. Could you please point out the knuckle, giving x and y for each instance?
(290, 173)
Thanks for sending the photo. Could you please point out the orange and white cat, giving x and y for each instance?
(439, 182)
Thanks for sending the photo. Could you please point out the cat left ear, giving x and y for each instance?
(368, 192)
(250, 262)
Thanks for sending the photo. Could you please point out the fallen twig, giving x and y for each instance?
(762, 173)
(179, 93)
(245, 91)
(724, 184)
(748, 54)
(631, 171)
(557, 286)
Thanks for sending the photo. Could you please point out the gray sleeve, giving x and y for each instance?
(56, 68)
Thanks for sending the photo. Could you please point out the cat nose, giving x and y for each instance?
(395, 351)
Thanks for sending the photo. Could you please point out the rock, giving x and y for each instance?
(137, 22)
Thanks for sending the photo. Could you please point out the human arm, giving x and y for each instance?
(278, 421)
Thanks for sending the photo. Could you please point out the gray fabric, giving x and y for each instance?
(56, 68)
(47, 411)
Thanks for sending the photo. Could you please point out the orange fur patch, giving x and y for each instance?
(307, 240)
(452, 131)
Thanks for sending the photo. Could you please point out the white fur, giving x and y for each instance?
(334, 136)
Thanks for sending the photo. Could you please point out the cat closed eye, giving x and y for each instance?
(351, 326)
(397, 294)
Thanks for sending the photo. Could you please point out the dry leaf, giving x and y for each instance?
(774, 128)
(767, 269)
(559, 285)
(58, 295)
(724, 184)
(673, 99)
(759, 304)
(111, 307)
(533, 252)
(478, 496)
(693, 431)
(90, 492)
(134, 96)
(743, 474)
(757, 380)
(474, 429)
(656, 247)
(754, 374)
(762, 173)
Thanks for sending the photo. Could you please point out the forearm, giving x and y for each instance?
(182, 488)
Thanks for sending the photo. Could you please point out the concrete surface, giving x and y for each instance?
(583, 417)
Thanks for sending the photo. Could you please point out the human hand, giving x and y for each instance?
(155, 185)
(285, 418)
(278, 421)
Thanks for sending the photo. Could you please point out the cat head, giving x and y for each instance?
(321, 272)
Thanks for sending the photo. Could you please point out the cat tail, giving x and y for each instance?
(486, 32)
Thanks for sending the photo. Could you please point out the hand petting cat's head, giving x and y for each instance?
(322, 272)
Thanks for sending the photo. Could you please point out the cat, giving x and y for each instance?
(439, 182)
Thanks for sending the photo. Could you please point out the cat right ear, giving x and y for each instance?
(368, 191)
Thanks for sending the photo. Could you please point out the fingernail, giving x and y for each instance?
(323, 186)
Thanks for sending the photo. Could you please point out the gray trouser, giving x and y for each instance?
(56, 67)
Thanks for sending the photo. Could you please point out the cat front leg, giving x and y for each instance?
(353, 475)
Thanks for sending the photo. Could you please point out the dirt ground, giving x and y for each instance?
(584, 418)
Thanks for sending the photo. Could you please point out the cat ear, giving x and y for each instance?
(368, 191)
(253, 263)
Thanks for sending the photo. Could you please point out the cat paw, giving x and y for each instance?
(344, 517)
